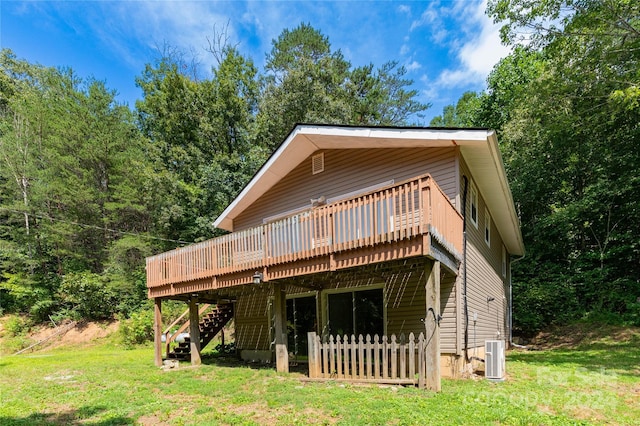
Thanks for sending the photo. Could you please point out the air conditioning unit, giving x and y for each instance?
(494, 360)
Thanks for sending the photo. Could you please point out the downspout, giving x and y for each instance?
(511, 304)
(464, 269)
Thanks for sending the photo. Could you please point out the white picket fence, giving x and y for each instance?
(366, 359)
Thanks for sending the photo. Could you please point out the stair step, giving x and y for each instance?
(209, 326)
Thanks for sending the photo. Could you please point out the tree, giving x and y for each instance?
(464, 114)
(70, 156)
(194, 126)
(567, 110)
(307, 82)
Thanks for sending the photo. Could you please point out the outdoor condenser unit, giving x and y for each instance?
(494, 360)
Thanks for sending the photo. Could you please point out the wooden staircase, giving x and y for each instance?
(210, 325)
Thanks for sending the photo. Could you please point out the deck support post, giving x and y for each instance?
(194, 330)
(432, 324)
(280, 328)
(157, 331)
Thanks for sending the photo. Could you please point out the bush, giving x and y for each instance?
(85, 295)
(137, 329)
(16, 325)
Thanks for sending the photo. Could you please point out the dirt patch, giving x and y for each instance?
(67, 334)
(262, 414)
(575, 335)
(151, 421)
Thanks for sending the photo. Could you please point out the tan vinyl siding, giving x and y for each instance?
(484, 279)
(348, 170)
(449, 313)
(252, 325)
(405, 301)
(403, 285)
(406, 306)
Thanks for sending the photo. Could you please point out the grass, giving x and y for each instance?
(595, 383)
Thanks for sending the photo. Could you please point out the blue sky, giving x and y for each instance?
(447, 46)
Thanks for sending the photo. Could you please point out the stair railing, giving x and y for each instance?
(170, 338)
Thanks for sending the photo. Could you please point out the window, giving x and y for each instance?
(301, 319)
(474, 205)
(504, 262)
(487, 227)
(356, 312)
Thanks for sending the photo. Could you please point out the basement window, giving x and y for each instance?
(317, 163)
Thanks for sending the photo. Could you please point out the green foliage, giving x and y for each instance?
(137, 329)
(16, 325)
(86, 295)
(307, 82)
(68, 156)
(567, 112)
(464, 114)
(105, 385)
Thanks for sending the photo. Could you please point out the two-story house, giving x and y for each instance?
(359, 230)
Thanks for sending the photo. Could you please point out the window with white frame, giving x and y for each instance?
(487, 227)
(474, 205)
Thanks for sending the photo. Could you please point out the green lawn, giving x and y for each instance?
(106, 385)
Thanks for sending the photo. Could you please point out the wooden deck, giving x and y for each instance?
(407, 219)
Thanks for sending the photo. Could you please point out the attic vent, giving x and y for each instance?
(317, 163)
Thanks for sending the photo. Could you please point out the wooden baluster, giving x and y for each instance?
(385, 358)
(345, 349)
(326, 373)
(361, 357)
(369, 356)
(412, 356)
(376, 348)
(403, 357)
(394, 357)
(354, 350)
(422, 374)
(339, 358)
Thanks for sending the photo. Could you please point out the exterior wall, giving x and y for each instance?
(484, 276)
(252, 323)
(349, 170)
(403, 284)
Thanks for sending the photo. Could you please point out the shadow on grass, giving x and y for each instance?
(72, 417)
(233, 361)
(623, 357)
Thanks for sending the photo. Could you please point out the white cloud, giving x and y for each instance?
(182, 25)
(403, 8)
(412, 66)
(478, 53)
(404, 49)
(428, 17)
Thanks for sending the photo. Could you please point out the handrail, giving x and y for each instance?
(183, 327)
(395, 212)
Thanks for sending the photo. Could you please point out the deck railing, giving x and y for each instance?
(397, 212)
